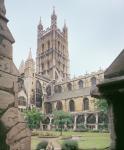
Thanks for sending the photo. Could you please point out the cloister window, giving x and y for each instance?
(59, 105)
(69, 86)
(86, 103)
(80, 83)
(48, 90)
(93, 81)
(48, 108)
(71, 106)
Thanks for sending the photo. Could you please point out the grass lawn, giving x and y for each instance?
(88, 140)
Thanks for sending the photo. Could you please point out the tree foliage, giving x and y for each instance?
(61, 118)
(102, 105)
(33, 118)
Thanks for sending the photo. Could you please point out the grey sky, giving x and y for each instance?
(96, 29)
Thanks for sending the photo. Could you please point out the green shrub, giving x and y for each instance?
(70, 145)
(42, 145)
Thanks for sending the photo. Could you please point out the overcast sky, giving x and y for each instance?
(96, 29)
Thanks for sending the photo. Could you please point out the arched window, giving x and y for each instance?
(80, 83)
(48, 90)
(48, 44)
(91, 119)
(93, 81)
(102, 118)
(58, 89)
(69, 86)
(71, 106)
(86, 103)
(22, 101)
(42, 47)
(59, 105)
(48, 108)
(48, 64)
(39, 94)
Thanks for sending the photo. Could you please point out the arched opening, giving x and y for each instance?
(80, 84)
(71, 106)
(58, 45)
(22, 101)
(39, 94)
(93, 81)
(48, 90)
(48, 108)
(91, 119)
(59, 105)
(69, 86)
(80, 119)
(86, 104)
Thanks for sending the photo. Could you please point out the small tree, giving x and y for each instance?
(33, 118)
(102, 105)
(62, 118)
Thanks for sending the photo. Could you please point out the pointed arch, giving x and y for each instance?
(93, 81)
(86, 103)
(48, 107)
(71, 106)
(59, 105)
(48, 90)
(80, 84)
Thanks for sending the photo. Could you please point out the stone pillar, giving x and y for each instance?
(96, 125)
(50, 124)
(85, 120)
(75, 122)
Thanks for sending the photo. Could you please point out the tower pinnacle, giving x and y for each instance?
(53, 19)
(30, 55)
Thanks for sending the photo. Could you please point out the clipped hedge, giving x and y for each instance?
(42, 145)
(70, 145)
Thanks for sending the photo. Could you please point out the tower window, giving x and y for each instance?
(42, 47)
(48, 44)
(58, 45)
(42, 66)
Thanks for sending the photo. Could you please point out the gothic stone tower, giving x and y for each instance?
(52, 57)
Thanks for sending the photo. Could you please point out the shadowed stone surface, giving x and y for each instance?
(14, 134)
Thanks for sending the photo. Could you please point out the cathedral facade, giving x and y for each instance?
(49, 86)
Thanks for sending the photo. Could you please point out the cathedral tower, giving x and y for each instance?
(52, 59)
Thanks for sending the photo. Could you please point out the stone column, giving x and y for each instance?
(96, 125)
(75, 122)
(85, 120)
(50, 124)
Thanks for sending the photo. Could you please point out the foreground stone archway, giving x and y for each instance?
(14, 134)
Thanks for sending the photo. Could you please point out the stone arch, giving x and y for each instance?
(48, 90)
(93, 81)
(91, 119)
(80, 119)
(59, 105)
(69, 86)
(48, 108)
(86, 103)
(80, 84)
(71, 105)
(39, 94)
(22, 101)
